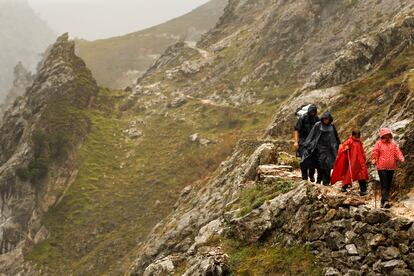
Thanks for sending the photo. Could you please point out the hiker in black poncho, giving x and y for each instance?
(322, 146)
(302, 129)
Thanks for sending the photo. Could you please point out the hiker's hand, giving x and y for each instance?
(374, 162)
(347, 147)
(296, 146)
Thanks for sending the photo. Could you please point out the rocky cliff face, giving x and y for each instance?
(260, 53)
(184, 223)
(24, 37)
(372, 52)
(40, 135)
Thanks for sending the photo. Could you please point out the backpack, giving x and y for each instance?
(302, 110)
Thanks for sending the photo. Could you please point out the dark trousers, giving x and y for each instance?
(386, 178)
(307, 171)
(308, 168)
(362, 185)
(324, 176)
(319, 179)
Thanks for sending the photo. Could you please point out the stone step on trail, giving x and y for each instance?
(277, 172)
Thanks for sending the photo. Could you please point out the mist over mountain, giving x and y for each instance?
(23, 37)
(100, 19)
(118, 61)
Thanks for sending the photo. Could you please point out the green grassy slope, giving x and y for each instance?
(126, 186)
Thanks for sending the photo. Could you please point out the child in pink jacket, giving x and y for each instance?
(385, 156)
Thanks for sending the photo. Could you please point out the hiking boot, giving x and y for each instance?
(385, 205)
(345, 188)
(363, 193)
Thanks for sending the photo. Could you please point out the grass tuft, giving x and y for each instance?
(263, 259)
(255, 197)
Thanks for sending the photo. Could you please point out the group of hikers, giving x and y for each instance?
(318, 145)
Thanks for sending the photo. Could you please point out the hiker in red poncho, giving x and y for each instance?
(350, 164)
(385, 156)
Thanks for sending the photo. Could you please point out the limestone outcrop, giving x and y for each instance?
(37, 163)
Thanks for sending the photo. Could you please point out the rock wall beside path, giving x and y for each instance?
(346, 236)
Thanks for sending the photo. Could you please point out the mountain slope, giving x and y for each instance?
(152, 195)
(23, 36)
(297, 56)
(261, 52)
(116, 62)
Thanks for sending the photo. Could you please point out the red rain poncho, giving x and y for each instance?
(387, 153)
(341, 170)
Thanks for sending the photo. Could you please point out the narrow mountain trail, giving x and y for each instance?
(404, 208)
(399, 208)
(206, 102)
(205, 54)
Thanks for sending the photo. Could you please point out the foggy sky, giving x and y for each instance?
(94, 19)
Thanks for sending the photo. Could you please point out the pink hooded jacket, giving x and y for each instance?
(386, 153)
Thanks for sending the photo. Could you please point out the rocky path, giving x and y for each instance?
(193, 45)
(403, 208)
(409, 203)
